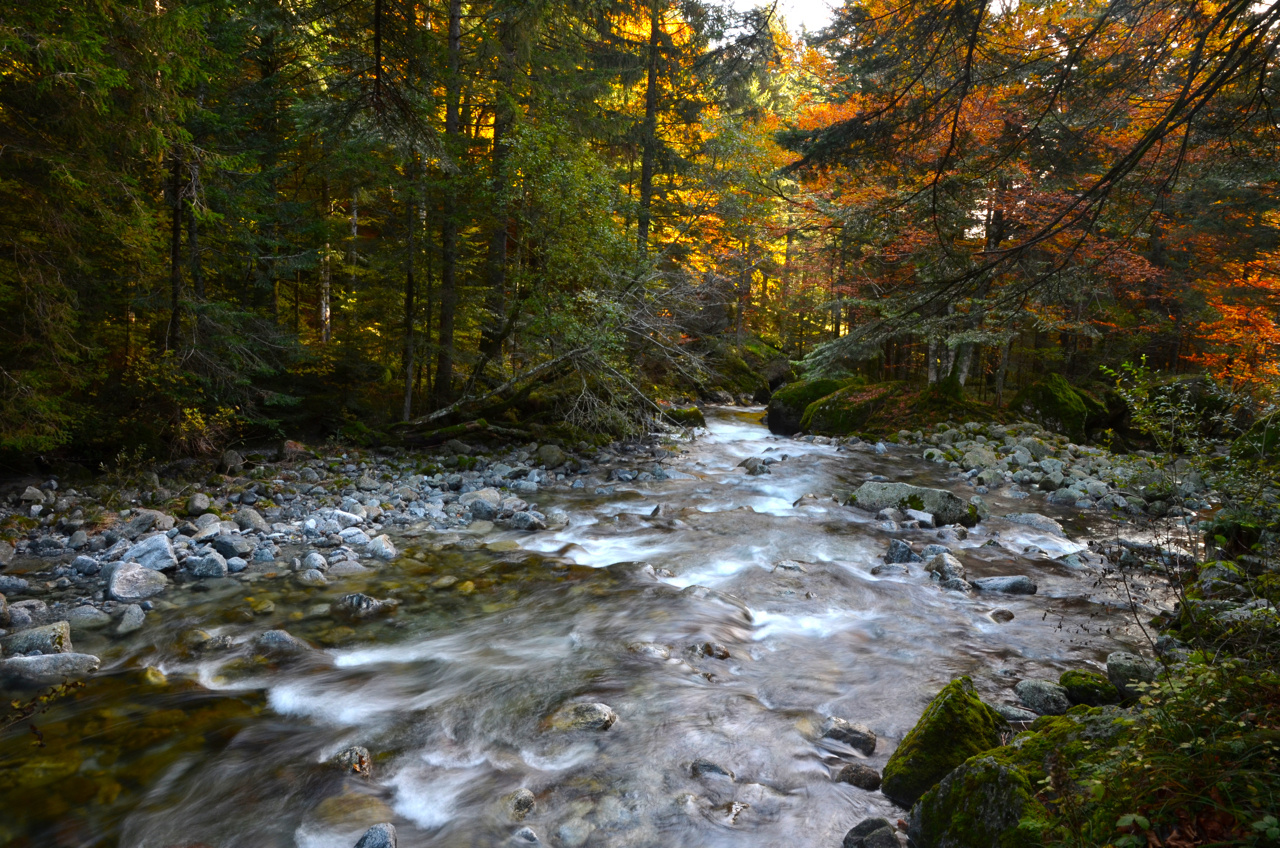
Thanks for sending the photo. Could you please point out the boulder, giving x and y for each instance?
(861, 776)
(232, 545)
(198, 504)
(1125, 669)
(945, 507)
(954, 727)
(4, 611)
(248, 518)
(755, 466)
(1088, 688)
(583, 717)
(978, 805)
(382, 548)
(47, 670)
(379, 836)
(231, 462)
(859, 737)
(1054, 405)
(130, 582)
(551, 456)
(10, 585)
(154, 552)
(211, 564)
(47, 639)
(1017, 584)
(355, 760)
(872, 833)
(682, 416)
(787, 405)
(1035, 521)
(1043, 696)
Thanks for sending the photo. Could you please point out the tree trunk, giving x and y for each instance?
(326, 272)
(193, 236)
(649, 132)
(449, 225)
(1001, 371)
(503, 123)
(175, 252)
(410, 307)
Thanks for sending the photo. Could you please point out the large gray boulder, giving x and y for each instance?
(154, 552)
(1125, 670)
(945, 507)
(131, 582)
(47, 639)
(47, 670)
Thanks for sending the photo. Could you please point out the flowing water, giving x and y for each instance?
(452, 694)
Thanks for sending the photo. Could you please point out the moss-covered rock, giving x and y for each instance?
(849, 409)
(788, 404)
(982, 804)
(684, 416)
(955, 726)
(1053, 404)
(945, 507)
(1089, 688)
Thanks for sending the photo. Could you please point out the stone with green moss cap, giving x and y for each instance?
(1055, 405)
(981, 804)
(955, 726)
(787, 405)
(1089, 688)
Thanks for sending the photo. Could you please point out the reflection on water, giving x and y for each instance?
(713, 653)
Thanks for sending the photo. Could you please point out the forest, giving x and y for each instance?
(622, 423)
(236, 220)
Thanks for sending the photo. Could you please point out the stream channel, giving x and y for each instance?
(451, 695)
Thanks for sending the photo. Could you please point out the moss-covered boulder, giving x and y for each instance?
(981, 804)
(849, 409)
(945, 507)
(684, 416)
(1053, 404)
(1089, 688)
(955, 726)
(788, 404)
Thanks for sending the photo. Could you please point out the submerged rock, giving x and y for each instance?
(859, 737)
(955, 726)
(584, 717)
(1016, 584)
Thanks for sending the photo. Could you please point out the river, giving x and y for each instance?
(625, 607)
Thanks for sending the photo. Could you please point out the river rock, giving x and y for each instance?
(574, 833)
(132, 620)
(859, 737)
(232, 545)
(10, 585)
(978, 804)
(945, 507)
(47, 670)
(1035, 521)
(1089, 688)
(525, 836)
(87, 617)
(154, 553)
(313, 578)
(47, 639)
(1017, 584)
(359, 606)
(526, 521)
(379, 836)
(1125, 669)
(131, 582)
(315, 560)
(755, 466)
(954, 727)
(861, 776)
(356, 760)
(211, 564)
(482, 510)
(584, 717)
(382, 547)
(872, 833)
(947, 571)
(551, 456)
(249, 519)
(279, 643)
(4, 611)
(1043, 696)
(519, 804)
(198, 504)
(86, 565)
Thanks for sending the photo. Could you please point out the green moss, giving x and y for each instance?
(1055, 405)
(1089, 688)
(982, 803)
(955, 726)
(848, 409)
(788, 404)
